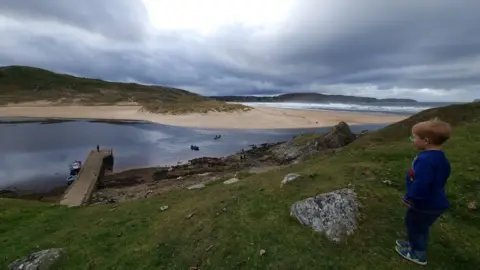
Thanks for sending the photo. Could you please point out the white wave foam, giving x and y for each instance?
(340, 107)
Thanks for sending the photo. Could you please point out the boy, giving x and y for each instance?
(425, 198)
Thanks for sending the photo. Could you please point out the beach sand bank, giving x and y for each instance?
(257, 118)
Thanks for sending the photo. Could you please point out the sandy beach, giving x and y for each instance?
(257, 118)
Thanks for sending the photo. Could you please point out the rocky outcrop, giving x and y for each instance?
(41, 260)
(333, 213)
(120, 186)
(338, 137)
(100, 198)
(196, 166)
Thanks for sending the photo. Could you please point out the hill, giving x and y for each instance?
(310, 97)
(27, 84)
(226, 226)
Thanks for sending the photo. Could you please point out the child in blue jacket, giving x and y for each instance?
(425, 198)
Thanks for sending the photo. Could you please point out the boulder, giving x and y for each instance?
(338, 137)
(41, 260)
(197, 186)
(472, 205)
(289, 178)
(231, 181)
(334, 213)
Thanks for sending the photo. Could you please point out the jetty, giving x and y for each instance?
(80, 191)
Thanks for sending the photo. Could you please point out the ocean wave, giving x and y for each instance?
(377, 108)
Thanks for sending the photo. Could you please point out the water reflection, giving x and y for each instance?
(36, 155)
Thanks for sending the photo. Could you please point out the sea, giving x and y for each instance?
(36, 152)
(398, 108)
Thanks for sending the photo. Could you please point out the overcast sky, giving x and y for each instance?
(426, 50)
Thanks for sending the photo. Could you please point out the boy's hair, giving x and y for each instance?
(435, 130)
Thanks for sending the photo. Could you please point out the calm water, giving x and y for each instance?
(36, 156)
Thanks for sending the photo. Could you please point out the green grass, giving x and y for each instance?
(137, 235)
(27, 84)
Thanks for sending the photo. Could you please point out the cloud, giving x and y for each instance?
(426, 50)
(124, 20)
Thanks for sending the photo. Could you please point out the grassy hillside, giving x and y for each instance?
(231, 224)
(26, 84)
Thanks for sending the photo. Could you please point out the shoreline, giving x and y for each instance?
(137, 182)
(256, 118)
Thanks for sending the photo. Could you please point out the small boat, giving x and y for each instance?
(74, 170)
(71, 179)
(76, 165)
(194, 148)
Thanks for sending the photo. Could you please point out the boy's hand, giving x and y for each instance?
(402, 202)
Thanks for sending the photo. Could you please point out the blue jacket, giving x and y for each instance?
(426, 181)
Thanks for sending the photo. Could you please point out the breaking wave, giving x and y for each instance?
(371, 108)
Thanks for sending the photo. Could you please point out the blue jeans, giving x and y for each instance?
(418, 228)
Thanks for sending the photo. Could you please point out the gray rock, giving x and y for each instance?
(289, 178)
(287, 152)
(472, 205)
(338, 136)
(41, 260)
(231, 181)
(197, 186)
(148, 193)
(334, 213)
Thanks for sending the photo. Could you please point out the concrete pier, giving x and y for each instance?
(80, 191)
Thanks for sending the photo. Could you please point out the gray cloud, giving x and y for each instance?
(123, 20)
(371, 47)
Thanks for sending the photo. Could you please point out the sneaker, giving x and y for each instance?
(406, 254)
(402, 243)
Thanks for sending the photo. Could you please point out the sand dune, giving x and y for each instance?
(257, 118)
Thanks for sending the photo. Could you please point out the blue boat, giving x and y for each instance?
(74, 170)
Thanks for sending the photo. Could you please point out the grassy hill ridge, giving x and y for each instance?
(232, 223)
(26, 84)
